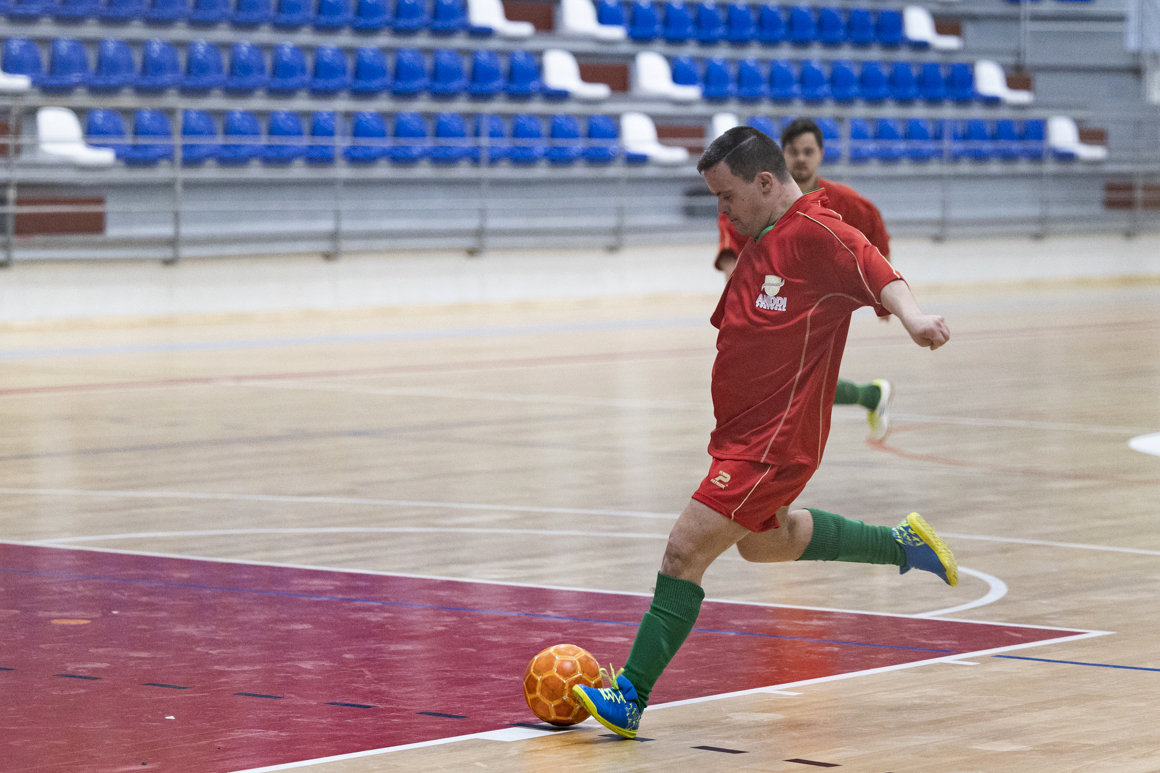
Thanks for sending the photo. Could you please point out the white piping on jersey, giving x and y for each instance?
(733, 515)
(862, 276)
(822, 404)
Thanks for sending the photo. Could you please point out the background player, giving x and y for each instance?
(782, 323)
(803, 146)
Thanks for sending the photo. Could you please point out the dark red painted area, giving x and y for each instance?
(402, 645)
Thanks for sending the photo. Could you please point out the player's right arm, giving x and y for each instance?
(929, 331)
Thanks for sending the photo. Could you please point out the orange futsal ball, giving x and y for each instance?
(549, 680)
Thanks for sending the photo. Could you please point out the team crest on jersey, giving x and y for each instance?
(769, 298)
(772, 284)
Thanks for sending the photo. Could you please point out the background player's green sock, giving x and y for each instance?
(840, 539)
(849, 393)
(663, 629)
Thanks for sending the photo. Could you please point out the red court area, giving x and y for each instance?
(208, 667)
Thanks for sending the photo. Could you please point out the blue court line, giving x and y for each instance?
(356, 338)
(1079, 663)
(313, 597)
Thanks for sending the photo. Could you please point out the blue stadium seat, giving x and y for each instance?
(752, 81)
(330, 72)
(523, 79)
(287, 69)
(450, 145)
(889, 29)
(565, 145)
(783, 82)
(888, 145)
(603, 134)
(1007, 140)
(448, 17)
(160, 69)
(685, 71)
(410, 73)
(832, 140)
(241, 124)
(75, 10)
(410, 144)
(931, 85)
(28, 10)
(980, 145)
(956, 135)
(771, 26)
(410, 16)
(490, 139)
(198, 126)
(203, 68)
(370, 72)
(903, 85)
(920, 144)
(960, 83)
(121, 11)
(322, 133)
(815, 86)
(166, 11)
(153, 139)
(803, 27)
(861, 145)
(874, 84)
(332, 14)
(447, 76)
(710, 23)
(283, 123)
(644, 21)
(207, 13)
(486, 74)
(1033, 139)
(371, 15)
(106, 129)
(115, 68)
(292, 14)
(766, 124)
(717, 82)
(527, 145)
(68, 67)
(860, 27)
(843, 81)
(742, 27)
(22, 57)
(252, 13)
(368, 139)
(247, 69)
(678, 22)
(610, 12)
(831, 27)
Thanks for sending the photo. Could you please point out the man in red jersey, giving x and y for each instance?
(782, 324)
(803, 146)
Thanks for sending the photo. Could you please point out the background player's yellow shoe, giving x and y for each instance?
(879, 418)
(924, 550)
(614, 707)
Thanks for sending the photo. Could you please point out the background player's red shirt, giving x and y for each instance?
(783, 320)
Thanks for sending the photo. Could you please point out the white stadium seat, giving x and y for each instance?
(652, 77)
(638, 134)
(489, 13)
(722, 122)
(991, 81)
(561, 71)
(60, 140)
(918, 25)
(578, 17)
(14, 84)
(1063, 139)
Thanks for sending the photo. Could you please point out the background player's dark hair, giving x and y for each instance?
(798, 127)
(747, 152)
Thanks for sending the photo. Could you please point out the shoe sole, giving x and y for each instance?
(935, 543)
(882, 411)
(586, 703)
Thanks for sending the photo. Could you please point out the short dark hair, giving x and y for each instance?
(747, 152)
(798, 127)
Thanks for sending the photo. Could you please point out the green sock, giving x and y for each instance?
(839, 539)
(849, 393)
(663, 629)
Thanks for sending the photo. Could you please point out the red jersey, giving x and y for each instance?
(782, 323)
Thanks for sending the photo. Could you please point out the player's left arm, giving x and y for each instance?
(928, 330)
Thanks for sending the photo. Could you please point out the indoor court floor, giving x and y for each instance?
(331, 542)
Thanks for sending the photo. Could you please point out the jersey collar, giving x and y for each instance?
(805, 200)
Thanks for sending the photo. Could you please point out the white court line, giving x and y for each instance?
(997, 590)
(1050, 544)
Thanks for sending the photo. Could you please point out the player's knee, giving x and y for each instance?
(681, 560)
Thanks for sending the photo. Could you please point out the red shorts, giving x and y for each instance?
(751, 493)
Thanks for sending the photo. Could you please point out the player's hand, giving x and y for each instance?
(929, 331)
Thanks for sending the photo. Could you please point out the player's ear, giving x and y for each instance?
(766, 179)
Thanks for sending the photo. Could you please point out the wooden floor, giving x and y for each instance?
(256, 439)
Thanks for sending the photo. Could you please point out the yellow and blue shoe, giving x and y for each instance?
(614, 707)
(924, 550)
(879, 418)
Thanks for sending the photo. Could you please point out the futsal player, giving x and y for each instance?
(803, 146)
(782, 323)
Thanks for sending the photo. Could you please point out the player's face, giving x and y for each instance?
(744, 203)
(803, 157)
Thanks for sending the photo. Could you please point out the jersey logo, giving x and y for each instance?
(772, 284)
(722, 479)
(769, 298)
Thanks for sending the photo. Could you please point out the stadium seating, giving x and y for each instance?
(67, 11)
(450, 144)
(207, 13)
(931, 84)
(410, 144)
(771, 26)
(991, 85)
(448, 17)
(752, 81)
(579, 17)
(843, 81)
(873, 82)
(860, 28)
(527, 142)
(710, 23)
(653, 78)
(160, 70)
(491, 140)
(22, 57)
(603, 135)
(368, 139)
(831, 27)
(106, 129)
(919, 143)
(888, 29)
(980, 144)
(815, 86)
(370, 72)
(292, 14)
(741, 26)
(410, 16)
(410, 73)
(370, 15)
(802, 27)
(523, 81)
(717, 81)
(332, 15)
(247, 69)
(120, 11)
(203, 68)
(677, 26)
(68, 67)
(888, 144)
(903, 84)
(861, 147)
(153, 139)
(562, 74)
(14, 84)
(330, 72)
(1033, 139)
(783, 81)
(447, 76)
(486, 74)
(485, 17)
(323, 131)
(288, 72)
(166, 11)
(1065, 145)
(1007, 140)
(241, 124)
(639, 136)
(59, 140)
(198, 126)
(644, 21)
(28, 10)
(919, 31)
(832, 140)
(251, 13)
(960, 83)
(610, 13)
(685, 71)
(282, 123)
(565, 146)
(765, 124)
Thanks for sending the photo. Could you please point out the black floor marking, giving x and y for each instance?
(78, 676)
(440, 714)
(819, 764)
(352, 705)
(537, 725)
(167, 686)
(616, 737)
(258, 695)
(719, 749)
(7, 669)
